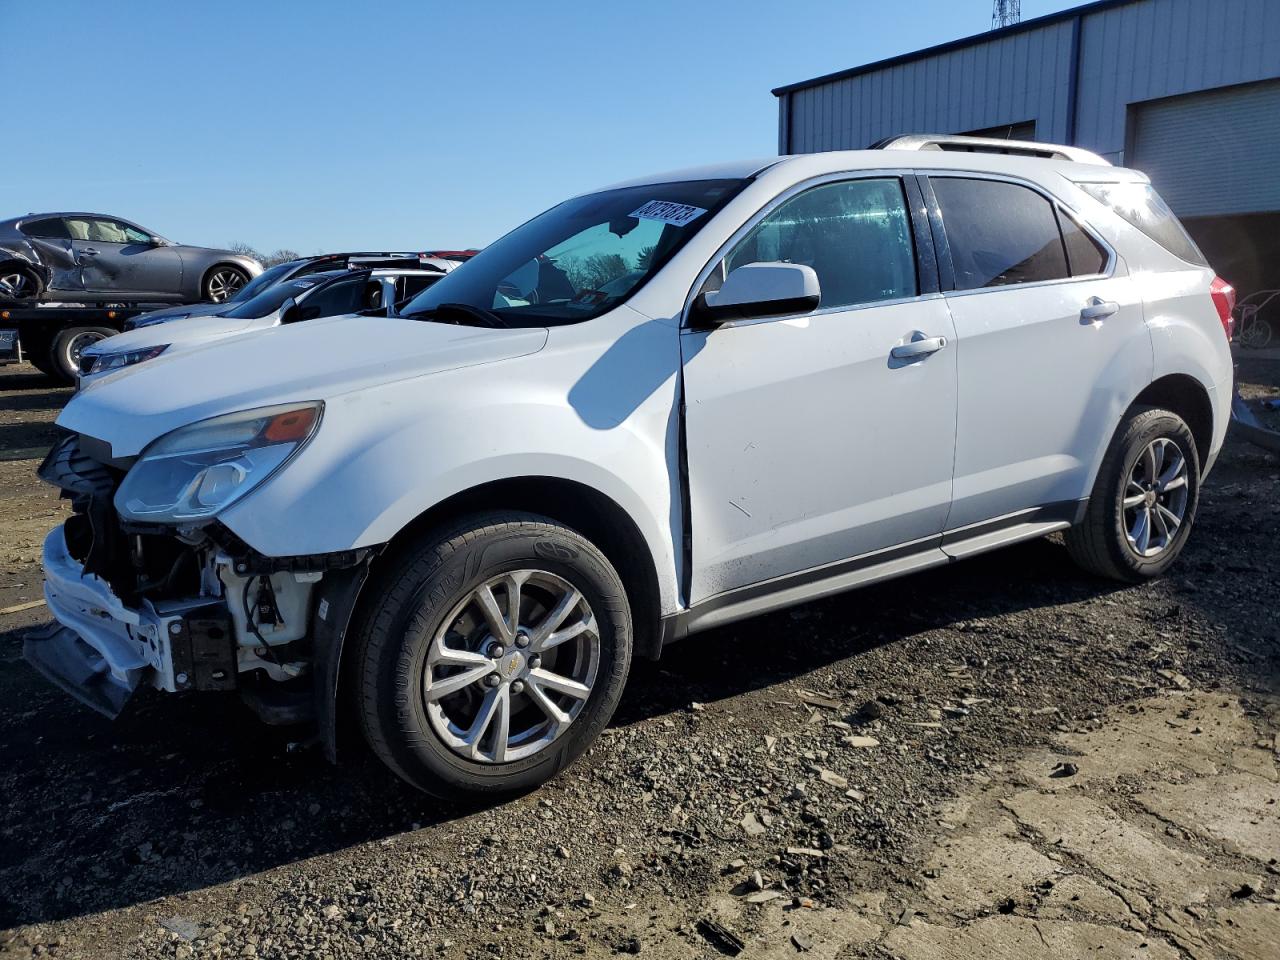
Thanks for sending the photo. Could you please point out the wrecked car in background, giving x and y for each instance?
(312, 296)
(651, 410)
(79, 256)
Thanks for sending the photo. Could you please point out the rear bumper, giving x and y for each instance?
(100, 651)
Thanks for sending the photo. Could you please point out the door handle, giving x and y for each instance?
(89, 252)
(918, 346)
(1098, 309)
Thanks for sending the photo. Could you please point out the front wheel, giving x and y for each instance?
(223, 283)
(491, 656)
(1144, 499)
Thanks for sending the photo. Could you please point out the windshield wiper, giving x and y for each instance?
(483, 317)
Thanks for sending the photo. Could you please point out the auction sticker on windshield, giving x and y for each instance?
(676, 214)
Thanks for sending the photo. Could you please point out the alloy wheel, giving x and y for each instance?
(511, 667)
(1155, 497)
(224, 284)
(17, 286)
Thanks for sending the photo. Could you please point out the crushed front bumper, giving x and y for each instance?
(100, 650)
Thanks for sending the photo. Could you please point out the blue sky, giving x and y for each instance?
(405, 124)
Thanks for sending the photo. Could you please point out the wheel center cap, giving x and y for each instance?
(1151, 498)
(512, 666)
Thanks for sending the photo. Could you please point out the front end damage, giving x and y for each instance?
(183, 608)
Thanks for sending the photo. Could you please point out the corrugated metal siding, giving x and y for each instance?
(1161, 48)
(1009, 80)
(1140, 51)
(1215, 152)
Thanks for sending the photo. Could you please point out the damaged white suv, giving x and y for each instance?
(653, 409)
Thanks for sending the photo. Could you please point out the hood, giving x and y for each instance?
(181, 313)
(177, 332)
(317, 360)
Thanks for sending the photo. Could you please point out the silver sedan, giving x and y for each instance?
(78, 256)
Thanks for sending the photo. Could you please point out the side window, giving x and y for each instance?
(134, 235)
(51, 228)
(999, 233)
(412, 285)
(1085, 255)
(99, 231)
(345, 296)
(856, 235)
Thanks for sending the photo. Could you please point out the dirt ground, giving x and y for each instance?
(1002, 759)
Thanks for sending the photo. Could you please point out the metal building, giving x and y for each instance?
(1186, 90)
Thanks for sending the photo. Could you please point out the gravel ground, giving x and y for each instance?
(804, 761)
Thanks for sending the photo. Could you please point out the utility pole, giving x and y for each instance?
(1005, 13)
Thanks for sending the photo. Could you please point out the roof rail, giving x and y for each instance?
(1017, 148)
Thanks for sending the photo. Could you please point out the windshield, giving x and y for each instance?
(580, 258)
(263, 280)
(269, 300)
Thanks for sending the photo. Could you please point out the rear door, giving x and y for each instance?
(49, 236)
(808, 443)
(1052, 345)
(117, 258)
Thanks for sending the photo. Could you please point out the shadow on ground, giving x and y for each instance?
(184, 792)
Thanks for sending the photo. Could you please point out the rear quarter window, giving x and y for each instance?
(1141, 206)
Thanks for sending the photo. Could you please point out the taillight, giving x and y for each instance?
(1224, 298)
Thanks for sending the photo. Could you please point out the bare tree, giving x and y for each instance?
(266, 259)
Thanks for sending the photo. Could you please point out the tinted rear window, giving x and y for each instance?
(1139, 204)
(51, 228)
(999, 233)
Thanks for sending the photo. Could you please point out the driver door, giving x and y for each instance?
(808, 443)
(118, 259)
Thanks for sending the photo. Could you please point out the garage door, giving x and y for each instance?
(1214, 152)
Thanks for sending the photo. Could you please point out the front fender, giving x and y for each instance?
(384, 456)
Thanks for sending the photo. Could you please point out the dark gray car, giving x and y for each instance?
(80, 256)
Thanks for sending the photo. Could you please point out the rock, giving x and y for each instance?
(831, 778)
(562, 852)
(735, 866)
(331, 912)
(801, 942)
(720, 937)
(763, 896)
(1064, 769)
(756, 881)
(184, 927)
(752, 826)
(818, 700)
(861, 742)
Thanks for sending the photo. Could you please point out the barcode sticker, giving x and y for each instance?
(676, 214)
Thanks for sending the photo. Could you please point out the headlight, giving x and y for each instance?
(198, 470)
(102, 362)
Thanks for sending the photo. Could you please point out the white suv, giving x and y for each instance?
(650, 410)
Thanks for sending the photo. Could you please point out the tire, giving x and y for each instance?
(64, 355)
(19, 283)
(1110, 540)
(223, 282)
(417, 712)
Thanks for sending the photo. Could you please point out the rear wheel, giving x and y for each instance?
(223, 282)
(1144, 499)
(18, 283)
(491, 656)
(64, 355)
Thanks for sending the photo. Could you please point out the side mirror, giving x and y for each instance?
(760, 290)
(289, 311)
